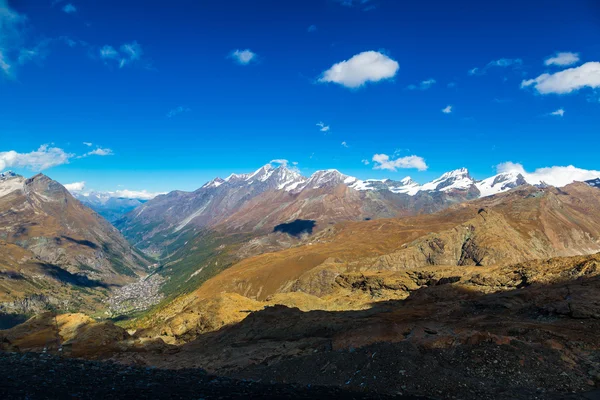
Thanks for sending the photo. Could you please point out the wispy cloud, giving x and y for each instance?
(556, 176)
(368, 66)
(365, 161)
(128, 54)
(243, 57)
(17, 44)
(311, 29)
(344, 144)
(88, 144)
(447, 109)
(176, 111)
(562, 59)
(323, 127)
(568, 80)
(279, 161)
(383, 161)
(559, 113)
(424, 85)
(69, 8)
(98, 151)
(108, 53)
(13, 28)
(500, 63)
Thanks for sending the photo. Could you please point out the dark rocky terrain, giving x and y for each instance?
(40, 376)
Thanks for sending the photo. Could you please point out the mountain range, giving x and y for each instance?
(272, 195)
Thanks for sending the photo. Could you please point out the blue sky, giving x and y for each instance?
(166, 102)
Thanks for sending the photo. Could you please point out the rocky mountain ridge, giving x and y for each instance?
(52, 245)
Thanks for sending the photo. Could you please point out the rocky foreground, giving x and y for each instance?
(524, 331)
(41, 376)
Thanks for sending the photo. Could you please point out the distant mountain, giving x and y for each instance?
(594, 182)
(51, 244)
(271, 195)
(256, 202)
(110, 207)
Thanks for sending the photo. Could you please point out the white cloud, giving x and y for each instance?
(555, 176)
(75, 186)
(323, 127)
(177, 111)
(562, 59)
(88, 144)
(98, 152)
(560, 112)
(135, 194)
(568, 80)
(43, 158)
(501, 63)
(368, 66)
(447, 109)
(451, 85)
(424, 85)
(344, 144)
(365, 161)
(383, 161)
(312, 28)
(243, 57)
(69, 8)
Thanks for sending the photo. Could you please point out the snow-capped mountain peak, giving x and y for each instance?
(407, 181)
(500, 183)
(214, 183)
(459, 179)
(261, 174)
(10, 182)
(325, 178)
(8, 175)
